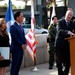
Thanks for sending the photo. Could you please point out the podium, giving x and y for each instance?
(72, 54)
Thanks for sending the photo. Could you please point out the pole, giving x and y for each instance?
(35, 68)
(34, 61)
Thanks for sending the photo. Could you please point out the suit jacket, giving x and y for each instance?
(18, 38)
(62, 33)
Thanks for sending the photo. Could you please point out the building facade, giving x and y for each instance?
(40, 13)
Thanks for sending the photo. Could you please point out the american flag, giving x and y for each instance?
(30, 37)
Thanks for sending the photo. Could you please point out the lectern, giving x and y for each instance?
(72, 54)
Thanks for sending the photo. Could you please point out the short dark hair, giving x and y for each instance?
(53, 17)
(17, 14)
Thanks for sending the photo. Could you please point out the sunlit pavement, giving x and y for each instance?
(41, 69)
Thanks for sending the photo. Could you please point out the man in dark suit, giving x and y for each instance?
(18, 43)
(65, 29)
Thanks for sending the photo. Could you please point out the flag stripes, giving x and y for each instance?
(31, 41)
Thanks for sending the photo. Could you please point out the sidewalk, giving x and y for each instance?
(42, 70)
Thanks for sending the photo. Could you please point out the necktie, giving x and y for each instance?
(68, 25)
(21, 27)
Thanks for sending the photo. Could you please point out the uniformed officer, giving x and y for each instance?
(52, 34)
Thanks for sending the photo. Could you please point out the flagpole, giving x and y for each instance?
(32, 27)
(9, 3)
(35, 68)
(30, 37)
(34, 61)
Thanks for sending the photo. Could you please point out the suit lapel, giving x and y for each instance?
(64, 23)
(66, 27)
(18, 28)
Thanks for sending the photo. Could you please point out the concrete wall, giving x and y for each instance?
(41, 53)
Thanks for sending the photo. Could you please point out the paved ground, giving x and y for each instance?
(42, 70)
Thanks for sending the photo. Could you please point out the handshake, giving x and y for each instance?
(71, 33)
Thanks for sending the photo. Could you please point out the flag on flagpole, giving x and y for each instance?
(9, 16)
(30, 37)
(53, 13)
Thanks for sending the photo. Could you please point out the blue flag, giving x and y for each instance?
(9, 16)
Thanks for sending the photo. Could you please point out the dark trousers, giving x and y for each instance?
(63, 60)
(16, 63)
(51, 54)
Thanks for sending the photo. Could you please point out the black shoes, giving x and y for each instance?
(50, 68)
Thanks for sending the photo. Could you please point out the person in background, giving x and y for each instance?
(65, 29)
(4, 42)
(18, 43)
(52, 34)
